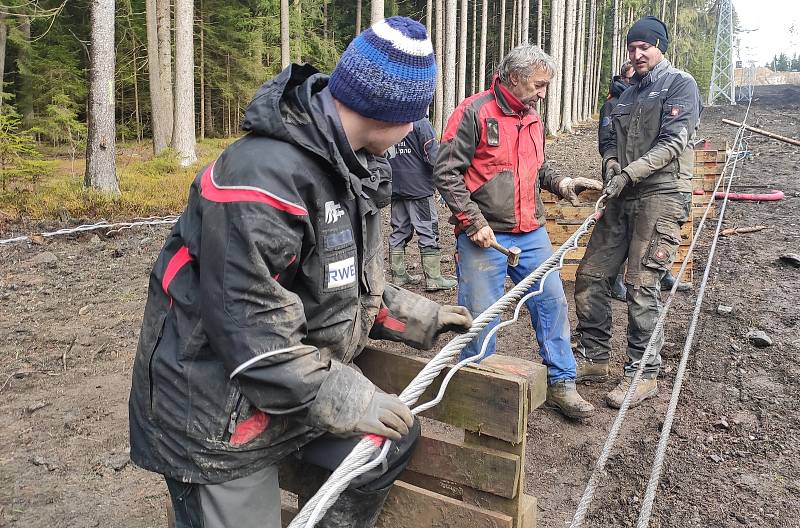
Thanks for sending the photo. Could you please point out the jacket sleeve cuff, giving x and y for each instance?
(341, 401)
(406, 317)
(637, 171)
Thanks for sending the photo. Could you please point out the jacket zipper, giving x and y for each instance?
(235, 413)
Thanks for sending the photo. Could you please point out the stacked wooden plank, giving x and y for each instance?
(472, 473)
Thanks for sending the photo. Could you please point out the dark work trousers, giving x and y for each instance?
(646, 231)
(254, 501)
(410, 215)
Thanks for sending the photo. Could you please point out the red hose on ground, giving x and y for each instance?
(772, 196)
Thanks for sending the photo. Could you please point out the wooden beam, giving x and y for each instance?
(535, 373)
(481, 468)
(409, 506)
(475, 400)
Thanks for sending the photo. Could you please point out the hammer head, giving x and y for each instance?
(513, 256)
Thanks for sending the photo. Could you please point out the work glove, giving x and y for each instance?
(616, 184)
(453, 319)
(570, 188)
(612, 169)
(385, 416)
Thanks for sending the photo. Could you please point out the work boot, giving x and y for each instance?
(355, 509)
(400, 277)
(647, 388)
(668, 280)
(563, 397)
(588, 370)
(432, 267)
(618, 289)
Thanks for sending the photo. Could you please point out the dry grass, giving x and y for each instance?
(149, 185)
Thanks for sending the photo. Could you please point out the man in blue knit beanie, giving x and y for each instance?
(271, 283)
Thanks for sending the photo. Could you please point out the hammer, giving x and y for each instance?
(512, 253)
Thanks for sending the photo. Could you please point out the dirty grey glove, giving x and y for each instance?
(570, 188)
(616, 184)
(453, 319)
(612, 169)
(385, 416)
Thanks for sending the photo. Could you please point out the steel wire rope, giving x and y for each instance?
(112, 227)
(355, 463)
(655, 475)
(588, 494)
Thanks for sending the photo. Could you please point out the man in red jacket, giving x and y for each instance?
(490, 170)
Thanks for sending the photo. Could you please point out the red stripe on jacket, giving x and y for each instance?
(178, 260)
(218, 193)
(389, 322)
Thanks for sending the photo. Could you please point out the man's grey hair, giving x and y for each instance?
(523, 61)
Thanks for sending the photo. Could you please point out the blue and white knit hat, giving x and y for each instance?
(388, 72)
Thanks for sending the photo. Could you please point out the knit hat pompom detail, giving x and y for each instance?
(388, 72)
(649, 29)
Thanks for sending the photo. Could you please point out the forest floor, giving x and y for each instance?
(70, 312)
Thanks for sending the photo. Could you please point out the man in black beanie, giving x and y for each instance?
(648, 162)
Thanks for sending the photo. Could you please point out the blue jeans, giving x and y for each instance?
(481, 280)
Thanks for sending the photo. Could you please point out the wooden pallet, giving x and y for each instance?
(474, 478)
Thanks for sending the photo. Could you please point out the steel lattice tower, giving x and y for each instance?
(722, 81)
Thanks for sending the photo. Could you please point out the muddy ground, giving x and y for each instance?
(69, 320)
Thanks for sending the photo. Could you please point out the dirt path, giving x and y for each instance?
(70, 314)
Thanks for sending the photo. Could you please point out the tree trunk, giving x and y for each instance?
(502, 30)
(136, 93)
(539, 36)
(590, 60)
(164, 28)
(462, 51)
(599, 62)
(429, 18)
(438, 101)
(202, 105)
(526, 20)
(615, 40)
(569, 65)
(101, 171)
(580, 49)
(556, 41)
(299, 44)
(376, 11)
(25, 89)
(159, 116)
(358, 16)
(325, 20)
(286, 57)
(183, 138)
(675, 32)
(482, 59)
(513, 24)
(3, 40)
(474, 80)
(450, 60)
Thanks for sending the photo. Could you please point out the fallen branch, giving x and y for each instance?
(64, 355)
(763, 132)
(741, 230)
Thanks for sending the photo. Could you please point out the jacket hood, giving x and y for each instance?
(617, 86)
(285, 108)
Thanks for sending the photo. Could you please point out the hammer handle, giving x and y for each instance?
(500, 248)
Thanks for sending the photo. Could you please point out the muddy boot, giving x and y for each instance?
(400, 277)
(668, 280)
(647, 388)
(618, 289)
(588, 370)
(563, 397)
(355, 509)
(432, 267)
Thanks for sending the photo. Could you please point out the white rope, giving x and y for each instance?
(658, 461)
(353, 464)
(112, 228)
(588, 494)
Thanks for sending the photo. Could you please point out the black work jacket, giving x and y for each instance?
(654, 125)
(266, 289)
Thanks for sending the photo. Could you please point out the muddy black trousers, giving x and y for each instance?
(647, 231)
(254, 501)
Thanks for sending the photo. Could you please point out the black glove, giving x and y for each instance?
(386, 416)
(616, 184)
(612, 169)
(453, 319)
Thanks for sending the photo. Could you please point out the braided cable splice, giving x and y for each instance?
(357, 462)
